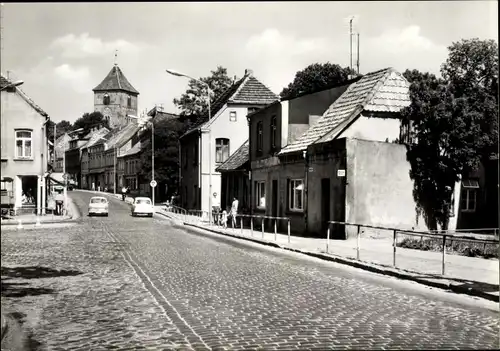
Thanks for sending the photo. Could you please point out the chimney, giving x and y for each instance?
(249, 72)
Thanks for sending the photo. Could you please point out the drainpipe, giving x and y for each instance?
(306, 178)
(43, 178)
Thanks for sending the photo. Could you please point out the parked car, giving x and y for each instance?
(98, 206)
(142, 206)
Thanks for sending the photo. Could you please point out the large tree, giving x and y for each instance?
(193, 103)
(61, 128)
(89, 120)
(453, 125)
(167, 134)
(314, 77)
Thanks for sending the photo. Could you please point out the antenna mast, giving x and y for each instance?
(350, 42)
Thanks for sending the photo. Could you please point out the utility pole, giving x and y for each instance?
(153, 160)
(350, 41)
(114, 171)
(65, 178)
(358, 54)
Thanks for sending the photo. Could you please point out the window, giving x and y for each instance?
(232, 116)
(23, 144)
(260, 140)
(469, 194)
(221, 150)
(129, 101)
(260, 189)
(296, 195)
(105, 99)
(274, 136)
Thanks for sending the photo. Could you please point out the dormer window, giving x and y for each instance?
(129, 101)
(106, 99)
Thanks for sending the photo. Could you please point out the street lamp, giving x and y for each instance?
(178, 74)
(142, 123)
(13, 84)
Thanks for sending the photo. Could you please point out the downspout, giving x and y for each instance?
(44, 166)
(306, 187)
(250, 198)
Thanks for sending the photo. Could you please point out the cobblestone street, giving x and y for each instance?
(123, 282)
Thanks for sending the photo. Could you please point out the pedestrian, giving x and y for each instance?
(59, 203)
(124, 193)
(216, 209)
(234, 210)
(224, 219)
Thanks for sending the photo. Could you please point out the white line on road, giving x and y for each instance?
(134, 265)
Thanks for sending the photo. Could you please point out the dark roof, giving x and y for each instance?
(317, 90)
(161, 115)
(4, 82)
(248, 90)
(115, 80)
(236, 160)
(382, 91)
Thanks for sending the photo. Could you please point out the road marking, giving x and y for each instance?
(135, 266)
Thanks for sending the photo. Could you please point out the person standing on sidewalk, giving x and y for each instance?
(234, 210)
(59, 203)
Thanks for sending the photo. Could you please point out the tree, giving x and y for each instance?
(89, 120)
(452, 121)
(61, 128)
(193, 103)
(314, 77)
(167, 134)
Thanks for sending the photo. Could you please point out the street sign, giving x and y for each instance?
(341, 173)
(153, 183)
(215, 194)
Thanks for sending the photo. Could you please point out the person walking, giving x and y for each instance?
(234, 210)
(124, 193)
(59, 203)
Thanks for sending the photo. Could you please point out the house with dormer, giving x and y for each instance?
(210, 143)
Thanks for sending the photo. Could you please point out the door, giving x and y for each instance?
(338, 196)
(325, 204)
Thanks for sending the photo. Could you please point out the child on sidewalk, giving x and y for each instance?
(224, 219)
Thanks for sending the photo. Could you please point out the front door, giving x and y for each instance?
(325, 204)
(275, 199)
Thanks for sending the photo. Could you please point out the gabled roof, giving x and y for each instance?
(385, 90)
(236, 160)
(115, 80)
(158, 114)
(117, 137)
(248, 90)
(94, 137)
(4, 82)
(134, 150)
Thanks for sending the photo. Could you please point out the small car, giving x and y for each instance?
(98, 206)
(142, 206)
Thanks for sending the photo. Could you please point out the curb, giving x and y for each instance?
(393, 272)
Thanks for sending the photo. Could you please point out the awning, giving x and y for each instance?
(470, 184)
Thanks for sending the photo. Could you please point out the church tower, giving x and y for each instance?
(116, 98)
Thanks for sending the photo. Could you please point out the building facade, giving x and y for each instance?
(211, 142)
(116, 98)
(24, 150)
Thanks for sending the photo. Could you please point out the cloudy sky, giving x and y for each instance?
(63, 50)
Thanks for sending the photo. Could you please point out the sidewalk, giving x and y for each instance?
(470, 275)
(31, 218)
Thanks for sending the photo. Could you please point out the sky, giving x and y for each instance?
(63, 50)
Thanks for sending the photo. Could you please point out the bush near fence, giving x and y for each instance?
(462, 248)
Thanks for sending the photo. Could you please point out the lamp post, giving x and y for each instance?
(178, 74)
(13, 84)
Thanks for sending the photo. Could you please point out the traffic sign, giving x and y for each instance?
(153, 183)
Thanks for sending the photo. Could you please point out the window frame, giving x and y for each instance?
(274, 128)
(292, 185)
(260, 136)
(221, 159)
(129, 101)
(106, 99)
(233, 116)
(23, 144)
(259, 186)
(469, 187)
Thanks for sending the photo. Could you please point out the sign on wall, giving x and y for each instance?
(341, 173)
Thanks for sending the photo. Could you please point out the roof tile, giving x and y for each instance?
(115, 80)
(383, 90)
(236, 160)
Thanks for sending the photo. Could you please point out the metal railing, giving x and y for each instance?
(443, 237)
(262, 220)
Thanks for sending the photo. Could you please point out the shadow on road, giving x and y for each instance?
(35, 272)
(22, 290)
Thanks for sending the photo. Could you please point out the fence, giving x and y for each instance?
(445, 240)
(260, 220)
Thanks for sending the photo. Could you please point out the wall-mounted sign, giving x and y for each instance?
(153, 183)
(215, 194)
(311, 169)
(341, 173)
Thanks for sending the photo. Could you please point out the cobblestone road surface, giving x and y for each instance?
(123, 282)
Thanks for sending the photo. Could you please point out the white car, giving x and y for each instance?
(142, 206)
(98, 205)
